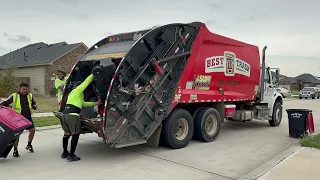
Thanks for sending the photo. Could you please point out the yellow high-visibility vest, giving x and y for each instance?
(16, 105)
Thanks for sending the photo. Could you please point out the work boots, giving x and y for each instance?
(29, 148)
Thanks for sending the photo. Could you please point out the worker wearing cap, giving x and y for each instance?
(60, 82)
(71, 122)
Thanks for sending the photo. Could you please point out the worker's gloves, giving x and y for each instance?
(99, 102)
(138, 90)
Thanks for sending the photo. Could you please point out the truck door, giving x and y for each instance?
(269, 86)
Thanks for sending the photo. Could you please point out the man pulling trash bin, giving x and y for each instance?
(71, 122)
(22, 102)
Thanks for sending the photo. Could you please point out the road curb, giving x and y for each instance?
(270, 164)
(48, 128)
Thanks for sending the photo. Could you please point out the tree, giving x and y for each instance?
(8, 83)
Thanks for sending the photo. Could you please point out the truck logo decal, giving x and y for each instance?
(193, 97)
(229, 64)
(202, 82)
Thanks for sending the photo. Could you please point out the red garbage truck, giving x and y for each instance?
(171, 84)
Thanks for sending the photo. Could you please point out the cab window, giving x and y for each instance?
(267, 77)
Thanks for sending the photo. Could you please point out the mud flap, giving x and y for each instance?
(154, 139)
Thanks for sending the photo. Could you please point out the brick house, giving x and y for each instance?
(303, 80)
(37, 63)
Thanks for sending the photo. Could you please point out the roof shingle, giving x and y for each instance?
(36, 54)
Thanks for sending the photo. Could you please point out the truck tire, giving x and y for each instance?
(193, 119)
(177, 129)
(207, 124)
(276, 115)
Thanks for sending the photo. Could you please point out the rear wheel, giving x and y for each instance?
(177, 129)
(276, 115)
(193, 119)
(207, 124)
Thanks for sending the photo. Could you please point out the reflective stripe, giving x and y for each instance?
(16, 102)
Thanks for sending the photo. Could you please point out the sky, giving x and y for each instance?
(290, 28)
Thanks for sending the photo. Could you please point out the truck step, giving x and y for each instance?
(121, 145)
(262, 112)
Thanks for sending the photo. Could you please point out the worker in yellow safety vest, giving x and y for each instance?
(71, 122)
(22, 102)
(59, 83)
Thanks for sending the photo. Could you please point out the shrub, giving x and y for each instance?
(53, 92)
(8, 83)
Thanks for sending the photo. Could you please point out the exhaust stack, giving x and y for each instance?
(263, 72)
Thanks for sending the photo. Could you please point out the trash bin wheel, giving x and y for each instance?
(300, 134)
(276, 115)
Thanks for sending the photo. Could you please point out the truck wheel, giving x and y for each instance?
(276, 115)
(177, 129)
(207, 124)
(193, 119)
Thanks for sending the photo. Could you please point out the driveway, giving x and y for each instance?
(242, 151)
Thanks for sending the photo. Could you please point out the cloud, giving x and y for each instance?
(3, 49)
(214, 6)
(20, 38)
(82, 16)
(286, 29)
(211, 22)
(256, 17)
(69, 1)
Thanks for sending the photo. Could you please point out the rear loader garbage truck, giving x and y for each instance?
(172, 83)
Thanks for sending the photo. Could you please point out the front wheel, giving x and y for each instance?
(276, 115)
(177, 129)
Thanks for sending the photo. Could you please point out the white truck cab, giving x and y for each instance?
(270, 103)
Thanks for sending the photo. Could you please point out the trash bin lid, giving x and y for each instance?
(298, 110)
(12, 119)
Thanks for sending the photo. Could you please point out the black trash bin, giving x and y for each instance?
(298, 122)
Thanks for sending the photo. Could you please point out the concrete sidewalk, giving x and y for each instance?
(43, 114)
(303, 164)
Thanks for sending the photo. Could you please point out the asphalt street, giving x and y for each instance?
(242, 151)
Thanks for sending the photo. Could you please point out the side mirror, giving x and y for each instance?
(277, 76)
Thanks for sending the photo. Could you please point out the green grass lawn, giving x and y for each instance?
(294, 92)
(45, 121)
(311, 141)
(46, 104)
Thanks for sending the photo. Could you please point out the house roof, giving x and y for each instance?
(308, 78)
(289, 79)
(36, 54)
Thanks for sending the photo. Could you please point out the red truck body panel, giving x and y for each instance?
(219, 62)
